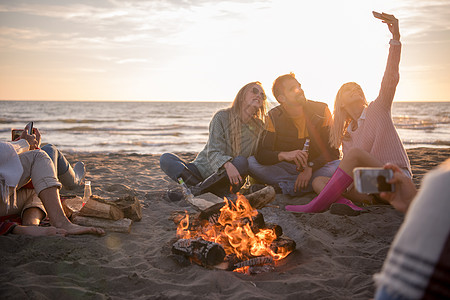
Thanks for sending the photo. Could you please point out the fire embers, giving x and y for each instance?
(232, 236)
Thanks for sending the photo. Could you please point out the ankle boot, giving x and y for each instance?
(208, 184)
(73, 176)
(330, 194)
(189, 177)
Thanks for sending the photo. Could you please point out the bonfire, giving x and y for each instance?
(232, 235)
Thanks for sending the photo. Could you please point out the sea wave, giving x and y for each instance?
(431, 143)
(87, 121)
(414, 123)
(129, 129)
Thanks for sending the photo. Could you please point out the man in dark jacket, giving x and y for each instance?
(282, 159)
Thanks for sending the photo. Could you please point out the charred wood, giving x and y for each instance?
(275, 228)
(283, 244)
(202, 252)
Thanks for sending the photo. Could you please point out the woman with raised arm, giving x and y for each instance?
(366, 132)
(221, 167)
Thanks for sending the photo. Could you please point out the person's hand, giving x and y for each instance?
(392, 24)
(34, 140)
(303, 179)
(233, 174)
(405, 190)
(299, 157)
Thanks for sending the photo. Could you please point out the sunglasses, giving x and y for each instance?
(257, 91)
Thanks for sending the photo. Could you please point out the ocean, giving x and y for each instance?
(158, 127)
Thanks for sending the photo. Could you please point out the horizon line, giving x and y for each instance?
(115, 100)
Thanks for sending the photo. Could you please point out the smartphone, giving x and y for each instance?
(378, 15)
(15, 134)
(30, 128)
(373, 180)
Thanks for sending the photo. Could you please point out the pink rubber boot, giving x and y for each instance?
(348, 202)
(330, 194)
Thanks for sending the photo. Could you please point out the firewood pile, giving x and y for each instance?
(112, 215)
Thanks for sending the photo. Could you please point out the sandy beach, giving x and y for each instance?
(336, 256)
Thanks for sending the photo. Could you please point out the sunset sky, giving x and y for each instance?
(205, 50)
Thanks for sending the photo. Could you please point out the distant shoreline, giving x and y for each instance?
(191, 101)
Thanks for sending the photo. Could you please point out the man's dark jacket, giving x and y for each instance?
(285, 136)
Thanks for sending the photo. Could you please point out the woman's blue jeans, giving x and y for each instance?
(173, 166)
(59, 161)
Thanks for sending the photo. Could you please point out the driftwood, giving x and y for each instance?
(202, 252)
(94, 208)
(123, 225)
(261, 198)
(130, 206)
(71, 205)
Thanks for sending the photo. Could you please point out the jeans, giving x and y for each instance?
(59, 161)
(172, 165)
(383, 294)
(285, 174)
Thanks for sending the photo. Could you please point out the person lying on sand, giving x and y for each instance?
(17, 166)
(233, 135)
(69, 177)
(417, 265)
(366, 132)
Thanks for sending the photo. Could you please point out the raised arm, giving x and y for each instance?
(391, 74)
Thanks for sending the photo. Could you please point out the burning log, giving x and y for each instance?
(276, 229)
(202, 252)
(257, 261)
(235, 229)
(283, 245)
(232, 263)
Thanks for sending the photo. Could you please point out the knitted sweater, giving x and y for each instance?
(376, 134)
(218, 150)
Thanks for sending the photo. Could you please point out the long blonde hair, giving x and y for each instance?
(236, 121)
(341, 119)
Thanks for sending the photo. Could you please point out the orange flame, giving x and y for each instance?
(234, 232)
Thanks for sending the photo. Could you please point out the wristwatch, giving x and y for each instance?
(310, 164)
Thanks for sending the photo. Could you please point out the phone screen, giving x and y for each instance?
(373, 180)
(30, 128)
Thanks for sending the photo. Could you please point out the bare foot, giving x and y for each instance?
(39, 231)
(74, 229)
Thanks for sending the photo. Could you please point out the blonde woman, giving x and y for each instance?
(222, 165)
(366, 132)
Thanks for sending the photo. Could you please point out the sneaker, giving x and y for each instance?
(255, 187)
(80, 172)
(277, 189)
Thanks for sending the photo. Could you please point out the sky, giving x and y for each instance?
(206, 50)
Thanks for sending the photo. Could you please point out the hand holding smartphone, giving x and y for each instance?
(16, 133)
(373, 180)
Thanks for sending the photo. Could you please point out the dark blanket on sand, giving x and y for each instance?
(336, 256)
